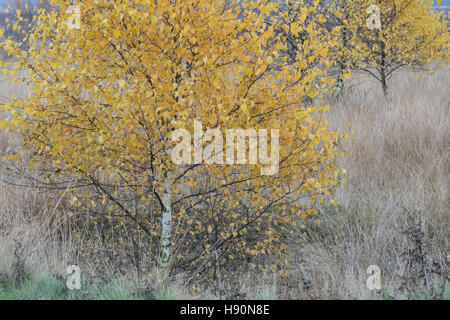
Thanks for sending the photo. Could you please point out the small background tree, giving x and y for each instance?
(411, 34)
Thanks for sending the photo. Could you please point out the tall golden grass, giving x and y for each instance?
(397, 165)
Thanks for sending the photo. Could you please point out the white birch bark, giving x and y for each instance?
(166, 231)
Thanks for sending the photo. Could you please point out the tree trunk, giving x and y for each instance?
(340, 83)
(383, 75)
(384, 85)
(166, 230)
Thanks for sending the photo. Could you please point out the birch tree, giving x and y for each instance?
(107, 94)
(384, 36)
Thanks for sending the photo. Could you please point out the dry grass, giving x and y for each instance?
(397, 167)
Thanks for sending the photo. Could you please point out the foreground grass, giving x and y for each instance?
(49, 287)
